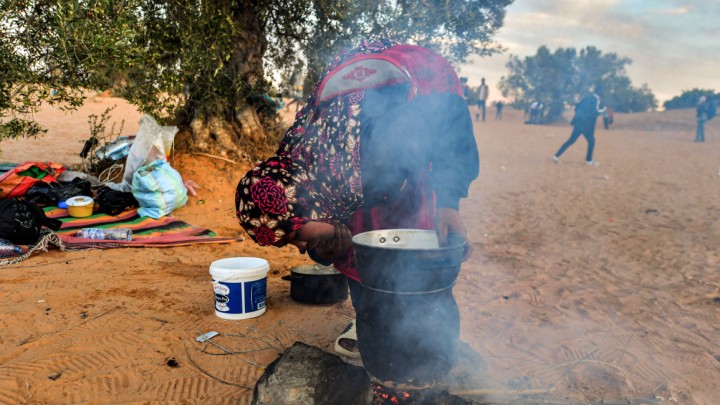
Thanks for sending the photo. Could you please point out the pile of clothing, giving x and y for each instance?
(149, 182)
(26, 188)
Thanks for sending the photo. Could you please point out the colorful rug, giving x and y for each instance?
(6, 167)
(147, 232)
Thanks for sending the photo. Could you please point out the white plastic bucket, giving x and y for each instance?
(240, 286)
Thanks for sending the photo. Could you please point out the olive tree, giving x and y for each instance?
(204, 65)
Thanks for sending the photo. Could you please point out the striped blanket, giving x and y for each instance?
(147, 232)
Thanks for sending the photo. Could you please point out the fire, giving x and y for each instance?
(389, 396)
(385, 396)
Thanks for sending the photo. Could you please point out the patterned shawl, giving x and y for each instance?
(317, 164)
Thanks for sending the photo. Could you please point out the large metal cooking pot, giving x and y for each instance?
(317, 284)
(408, 323)
(408, 340)
(406, 260)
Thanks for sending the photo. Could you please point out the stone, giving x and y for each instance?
(308, 375)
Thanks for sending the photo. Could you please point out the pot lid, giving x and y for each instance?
(315, 269)
(79, 201)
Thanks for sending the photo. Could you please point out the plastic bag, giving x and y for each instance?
(152, 143)
(113, 202)
(159, 189)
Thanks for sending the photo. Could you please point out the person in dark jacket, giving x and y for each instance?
(583, 122)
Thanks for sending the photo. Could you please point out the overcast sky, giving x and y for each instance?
(674, 45)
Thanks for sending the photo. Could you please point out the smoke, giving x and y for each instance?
(408, 321)
(400, 140)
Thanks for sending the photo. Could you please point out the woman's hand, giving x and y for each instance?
(448, 221)
(337, 245)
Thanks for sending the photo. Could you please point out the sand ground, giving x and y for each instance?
(589, 283)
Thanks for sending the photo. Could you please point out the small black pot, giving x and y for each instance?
(316, 284)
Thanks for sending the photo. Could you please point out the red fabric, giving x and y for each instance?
(428, 72)
(12, 184)
(393, 215)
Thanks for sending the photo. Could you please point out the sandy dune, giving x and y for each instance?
(592, 283)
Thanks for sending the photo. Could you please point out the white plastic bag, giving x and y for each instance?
(152, 142)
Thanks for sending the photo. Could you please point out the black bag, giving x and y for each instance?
(52, 194)
(21, 221)
(113, 202)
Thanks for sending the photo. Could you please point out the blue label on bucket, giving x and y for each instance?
(229, 297)
(255, 295)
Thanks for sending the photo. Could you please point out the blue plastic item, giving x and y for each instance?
(159, 189)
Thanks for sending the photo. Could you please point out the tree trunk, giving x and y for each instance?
(247, 60)
(238, 129)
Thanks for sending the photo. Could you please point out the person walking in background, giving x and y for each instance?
(498, 111)
(607, 118)
(483, 93)
(536, 112)
(583, 122)
(539, 112)
(465, 89)
(704, 111)
(532, 112)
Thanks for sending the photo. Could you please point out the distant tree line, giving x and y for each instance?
(689, 99)
(559, 79)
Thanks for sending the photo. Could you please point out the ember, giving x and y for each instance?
(387, 396)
